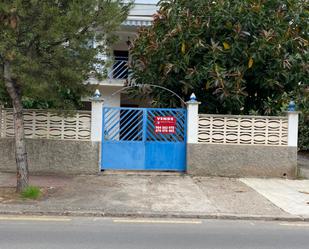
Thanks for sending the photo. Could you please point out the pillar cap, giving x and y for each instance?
(97, 96)
(192, 97)
(193, 100)
(292, 106)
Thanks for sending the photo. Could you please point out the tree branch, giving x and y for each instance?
(83, 31)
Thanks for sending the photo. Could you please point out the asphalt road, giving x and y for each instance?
(108, 233)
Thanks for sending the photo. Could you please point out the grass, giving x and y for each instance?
(31, 192)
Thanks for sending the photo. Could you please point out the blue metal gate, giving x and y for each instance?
(132, 141)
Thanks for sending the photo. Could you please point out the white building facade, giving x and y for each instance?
(141, 15)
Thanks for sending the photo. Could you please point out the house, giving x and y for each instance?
(169, 139)
(117, 71)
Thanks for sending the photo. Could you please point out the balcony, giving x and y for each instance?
(116, 72)
(119, 69)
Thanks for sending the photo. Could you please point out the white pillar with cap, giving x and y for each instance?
(96, 116)
(192, 119)
(292, 124)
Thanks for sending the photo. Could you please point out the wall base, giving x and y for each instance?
(47, 156)
(241, 161)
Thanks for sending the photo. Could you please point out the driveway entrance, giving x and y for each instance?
(144, 139)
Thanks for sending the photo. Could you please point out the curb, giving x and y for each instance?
(218, 216)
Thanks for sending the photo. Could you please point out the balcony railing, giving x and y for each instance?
(119, 69)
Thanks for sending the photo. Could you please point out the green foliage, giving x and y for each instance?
(238, 56)
(48, 46)
(31, 192)
(303, 142)
(302, 97)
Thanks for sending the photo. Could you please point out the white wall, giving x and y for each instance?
(109, 100)
(96, 110)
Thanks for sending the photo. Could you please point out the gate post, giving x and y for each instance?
(96, 116)
(192, 119)
(292, 125)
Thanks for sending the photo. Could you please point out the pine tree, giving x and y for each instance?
(46, 53)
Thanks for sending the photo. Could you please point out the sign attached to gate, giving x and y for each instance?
(165, 125)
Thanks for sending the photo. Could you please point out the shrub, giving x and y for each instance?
(31, 192)
(235, 55)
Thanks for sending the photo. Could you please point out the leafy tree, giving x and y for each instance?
(46, 54)
(301, 97)
(238, 56)
(302, 100)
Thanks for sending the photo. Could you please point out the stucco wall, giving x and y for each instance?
(241, 160)
(53, 156)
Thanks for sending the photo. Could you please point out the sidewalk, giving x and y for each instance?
(145, 195)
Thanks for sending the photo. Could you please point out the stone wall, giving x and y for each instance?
(53, 156)
(241, 160)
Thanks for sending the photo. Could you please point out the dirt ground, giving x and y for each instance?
(8, 195)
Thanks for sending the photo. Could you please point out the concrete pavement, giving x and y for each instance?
(291, 196)
(145, 195)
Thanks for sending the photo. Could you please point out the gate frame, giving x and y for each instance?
(145, 161)
(97, 104)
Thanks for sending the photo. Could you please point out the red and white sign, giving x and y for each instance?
(165, 125)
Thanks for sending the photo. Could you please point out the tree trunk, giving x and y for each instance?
(20, 146)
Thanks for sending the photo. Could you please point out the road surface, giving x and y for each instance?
(25, 232)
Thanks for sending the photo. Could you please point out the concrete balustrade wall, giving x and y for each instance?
(241, 146)
(217, 145)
